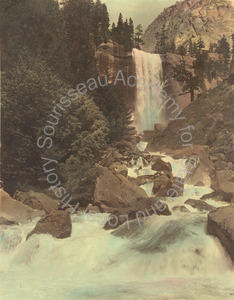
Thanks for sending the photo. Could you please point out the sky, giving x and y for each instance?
(141, 11)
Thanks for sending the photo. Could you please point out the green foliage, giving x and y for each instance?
(200, 63)
(79, 177)
(162, 46)
(190, 82)
(28, 91)
(34, 24)
(223, 48)
(138, 36)
(124, 33)
(200, 45)
(82, 135)
(212, 68)
(192, 48)
(113, 104)
(45, 51)
(79, 38)
(84, 129)
(181, 50)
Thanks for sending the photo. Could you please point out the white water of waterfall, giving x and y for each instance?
(149, 74)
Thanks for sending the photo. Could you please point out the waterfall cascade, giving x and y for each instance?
(149, 75)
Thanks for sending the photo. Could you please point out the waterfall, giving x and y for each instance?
(148, 67)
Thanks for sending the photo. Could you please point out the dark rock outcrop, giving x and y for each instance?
(162, 166)
(199, 205)
(16, 211)
(218, 196)
(4, 221)
(180, 208)
(147, 206)
(161, 185)
(115, 191)
(221, 225)
(112, 58)
(223, 182)
(57, 223)
(37, 200)
(117, 195)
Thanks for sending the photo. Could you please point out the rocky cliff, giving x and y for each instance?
(211, 115)
(111, 58)
(209, 19)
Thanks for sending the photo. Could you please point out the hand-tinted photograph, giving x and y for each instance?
(117, 157)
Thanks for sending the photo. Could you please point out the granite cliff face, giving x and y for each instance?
(112, 58)
(209, 19)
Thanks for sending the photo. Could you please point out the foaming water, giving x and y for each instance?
(168, 257)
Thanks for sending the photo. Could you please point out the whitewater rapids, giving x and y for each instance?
(170, 257)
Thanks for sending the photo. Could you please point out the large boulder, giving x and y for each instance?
(223, 182)
(162, 166)
(180, 208)
(37, 200)
(118, 196)
(142, 208)
(14, 210)
(115, 191)
(218, 196)
(57, 223)
(221, 225)
(199, 204)
(161, 185)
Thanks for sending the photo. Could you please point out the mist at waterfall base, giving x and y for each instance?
(168, 257)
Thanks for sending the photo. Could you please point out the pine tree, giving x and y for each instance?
(200, 45)
(114, 33)
(195, 47)
(191, 47)
(181, 50)
(190, 82)
(120, 29)
(79, 34)
(138, 36)
(162, 47)
(131, 34)
(105, 23)
(224, 49)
